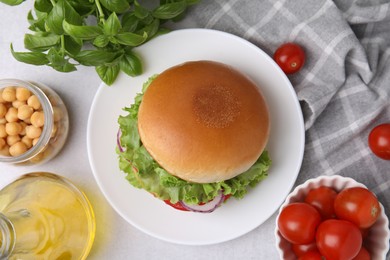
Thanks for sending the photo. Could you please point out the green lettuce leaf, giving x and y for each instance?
(142, 171)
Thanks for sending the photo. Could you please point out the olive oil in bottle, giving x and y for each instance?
(44, 216)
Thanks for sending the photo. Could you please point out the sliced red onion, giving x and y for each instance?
(207, 207)
(118, 141)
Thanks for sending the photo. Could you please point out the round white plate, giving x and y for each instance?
(236, 217)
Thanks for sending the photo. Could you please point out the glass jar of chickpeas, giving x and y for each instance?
(33, 122)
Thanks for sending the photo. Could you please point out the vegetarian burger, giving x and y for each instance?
(196, 136)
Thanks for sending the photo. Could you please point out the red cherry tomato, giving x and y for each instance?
(357, 205)
(363, 254)
(297, 223)
(379, 141)
(300, 250)
(322, 198)
(311, 255)
(365, 232)
(290, 57)
(338, 239)
(176, 205)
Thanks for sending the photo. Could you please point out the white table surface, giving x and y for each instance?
(115, 238)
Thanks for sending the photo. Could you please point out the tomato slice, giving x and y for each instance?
(180, 206)
(176, 205)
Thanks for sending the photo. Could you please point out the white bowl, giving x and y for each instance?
(377, 241)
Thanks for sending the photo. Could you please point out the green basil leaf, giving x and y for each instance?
(117, 6)
(101, 41)
(131, 39)
(71, 14)
(67, 67)
(192, 2)
(55, 18)
(36, 24)
(43, 5)
(95, 57)
(162, 31)
(131, 64)
(112, 25)
(62, 11)
(82, 7)
(55, 57)
(169, 10)
(59, 62)
(130, 22)
(40, 42)
(12, 2)
(150, 29)
(108, 73)
(72, 45)
(83, 32)
(34, 58)
(140, 11)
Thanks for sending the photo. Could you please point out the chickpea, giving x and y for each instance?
(38, 119)
(35, 141)
(33, 132)
(1, 96)
(3, 121)
(54, 131)
(25, 112)
(17, 149)
(33, 102)
(23, 131)
(27, 121)
(48, 150)
(38, 158)
(3, 110)
(22, 94)
(13, 128)
(2, 143)
(3, 133)
(57, 114)
(12, 115)
(18, 103)
(27, 141)
(12, 139)
(53, 100)
(9, 94)
(5, 151)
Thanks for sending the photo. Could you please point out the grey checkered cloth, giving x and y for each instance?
(344, 87)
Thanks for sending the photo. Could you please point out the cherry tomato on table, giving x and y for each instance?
(338, 239)
(379, 141)
(298, 221)
(357, 205)
(290, 57)
(322, 198)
